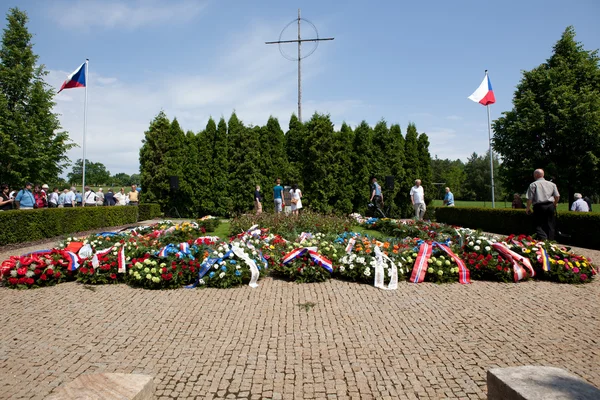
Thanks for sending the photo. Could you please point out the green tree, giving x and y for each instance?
(555, 122)
(341, 192)
(294, 143)
(95, 173)
(393, 153)
(32, 145)
(425, 172)
(205, 168)
(478, 183)
(319, 163)
(362, 167)
(121, 179)
(220, 170)
(273, 162)
(244, 159)
(449, 173)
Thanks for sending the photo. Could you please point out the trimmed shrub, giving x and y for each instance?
(148, 211)
(29, 225)
(578, 229)
(209, 224)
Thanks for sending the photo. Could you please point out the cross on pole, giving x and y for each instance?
(299, 41)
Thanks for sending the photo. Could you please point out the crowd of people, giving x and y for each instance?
(40, 196)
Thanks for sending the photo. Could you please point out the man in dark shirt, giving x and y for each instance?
(589, 202)
(109, 198)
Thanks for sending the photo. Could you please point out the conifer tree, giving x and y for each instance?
(273, 158)
(411, 167)
(426, 172)
(341, 192)
(394, 156)
(154, 173)
(319, 163)
(244, 169)
(191, 174)
(362, 156)
(32, 145)
(219, 170)
(204, 144)
(294, 143)
(379, 163)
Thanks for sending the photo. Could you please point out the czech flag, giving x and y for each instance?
(484, 94)
(76, 80)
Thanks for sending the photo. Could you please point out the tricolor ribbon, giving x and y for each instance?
(37, 253)
(464, 276)
(514, 258)
(206, 266)
(380, 260)
(544, 257)
(238, 251)
(304, 236)
(314, 255)
(73, 261)
(120, 258)
(420, 267)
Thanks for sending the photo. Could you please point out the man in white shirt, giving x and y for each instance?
(579, 204)
(121, 197)
(53, 198)
(89, 198)
(417, 196)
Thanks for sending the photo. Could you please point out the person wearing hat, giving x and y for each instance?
(25, 199)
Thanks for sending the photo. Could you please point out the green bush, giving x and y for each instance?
(148, 211)
(583, 228)
(29, 225)
(209, 224)
(284, 225)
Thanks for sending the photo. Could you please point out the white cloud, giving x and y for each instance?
(454, 118)
(85, 14)
(255, 87)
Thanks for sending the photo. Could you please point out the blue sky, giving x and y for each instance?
(401, 61)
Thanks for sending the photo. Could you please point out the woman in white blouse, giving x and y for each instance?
(296, 195)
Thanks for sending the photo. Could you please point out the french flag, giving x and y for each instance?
(484, 94)
(77, 79)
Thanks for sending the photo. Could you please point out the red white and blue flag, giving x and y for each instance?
(77, 79)
(484, 94)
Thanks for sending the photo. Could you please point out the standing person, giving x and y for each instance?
(417, 196)
(100, 197)
(6, 203)
(53, 199)
(121, 198)
(89, 197)
(71, 198)
(544, 196)
(579, 204)
(24, 199)
(589, 202)
(449, 198)
(376, 193)
(40, 197)
(278, 196)
(133, 196)
(258, 200)
(296, 199)
(109, 198)
(61, 198)
(45, 194)
(517, 202)
(78, 198)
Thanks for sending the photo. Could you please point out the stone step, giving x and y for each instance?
(537, 383)
(107, 387)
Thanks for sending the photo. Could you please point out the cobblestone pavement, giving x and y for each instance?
(421, 341)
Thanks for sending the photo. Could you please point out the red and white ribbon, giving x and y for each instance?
(515, 259)
(420, 267)
(464, 276)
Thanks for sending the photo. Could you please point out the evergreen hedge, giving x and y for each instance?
(148, 211)
(20, 226)
(583, 229)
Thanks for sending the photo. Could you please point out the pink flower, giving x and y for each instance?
(583, 277)
(576, 270)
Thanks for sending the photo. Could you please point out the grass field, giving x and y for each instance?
(501, 204)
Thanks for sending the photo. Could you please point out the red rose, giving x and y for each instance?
(30, 281)
(181, 273)
(471, 261)
(484, 262)
(91, 271)
(164, 270)
(57, 274)
(170, 275)
(499, 267)
(22, 280)
(84, 270)
(43, 277)
(13, 281)
(173, 267)
(37, 271)
(50, 271)
(506, 269)
(113, 276)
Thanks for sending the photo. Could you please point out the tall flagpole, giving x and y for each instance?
(491, 151)
(87, 79)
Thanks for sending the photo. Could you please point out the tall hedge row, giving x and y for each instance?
(29, 225)
(577, 229)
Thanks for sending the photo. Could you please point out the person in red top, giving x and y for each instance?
(40, 197)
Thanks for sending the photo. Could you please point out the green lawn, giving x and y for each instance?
(501, 204)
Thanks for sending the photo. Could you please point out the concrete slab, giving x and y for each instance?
(107, 387)
(536, 382)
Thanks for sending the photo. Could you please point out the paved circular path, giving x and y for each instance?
(421, 341)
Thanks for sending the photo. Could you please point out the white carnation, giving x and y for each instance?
(222, 275)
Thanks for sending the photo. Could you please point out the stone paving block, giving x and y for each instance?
(421, 341)
(107, 387)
